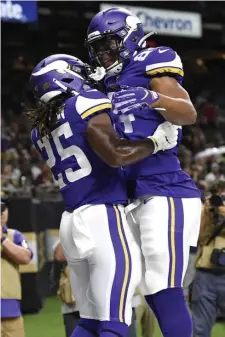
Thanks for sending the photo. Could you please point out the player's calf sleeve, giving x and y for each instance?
(170, 308)
(113, 329)
(87, 328)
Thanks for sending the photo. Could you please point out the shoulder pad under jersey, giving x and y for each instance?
(161, 61)
(91, 102)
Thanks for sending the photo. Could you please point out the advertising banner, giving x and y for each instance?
(19, 11)
(165, 22)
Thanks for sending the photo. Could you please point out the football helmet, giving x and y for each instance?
(57, 74)
(112, 38)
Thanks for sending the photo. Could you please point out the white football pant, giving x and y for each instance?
(104, 261)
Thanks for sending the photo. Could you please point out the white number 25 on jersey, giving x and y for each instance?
(64, 153)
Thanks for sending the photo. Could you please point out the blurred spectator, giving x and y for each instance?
(10, 177)
(219, 189)
(45, 177)
(215, 174)
(15, 251)
(35, 163)
(210, 113)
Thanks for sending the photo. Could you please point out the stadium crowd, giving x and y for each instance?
(202, 152)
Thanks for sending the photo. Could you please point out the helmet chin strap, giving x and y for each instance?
(64, 87)
(59, 84)
(142, 41)
(115, 68)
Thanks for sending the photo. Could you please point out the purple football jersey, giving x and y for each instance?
(145, 65)
(159, 174)
(82, 176)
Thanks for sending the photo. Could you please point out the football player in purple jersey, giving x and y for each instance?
(73, 132)
(116, 42)
(163, 194)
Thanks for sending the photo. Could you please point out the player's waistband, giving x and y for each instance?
(143, 199)
(137, 202)
(71, 210)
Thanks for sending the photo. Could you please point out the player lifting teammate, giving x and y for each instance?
(74, 134)
(165, 215)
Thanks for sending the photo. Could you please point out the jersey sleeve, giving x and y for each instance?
(34, 138)
(164, 61)
(92, 102)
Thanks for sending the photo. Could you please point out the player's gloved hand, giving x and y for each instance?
(98, 74)
(165, 136)
(133, 98)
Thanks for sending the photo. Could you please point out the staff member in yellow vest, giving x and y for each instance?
(208, 293)
(14, 251)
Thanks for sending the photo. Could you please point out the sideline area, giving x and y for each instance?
(49, 323)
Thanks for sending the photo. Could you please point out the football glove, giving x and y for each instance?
(133, 98)
(165, 137)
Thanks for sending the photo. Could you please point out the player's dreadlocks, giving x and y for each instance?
(44, 117)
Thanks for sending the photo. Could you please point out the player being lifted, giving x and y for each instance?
(73, 132)
(167, 207)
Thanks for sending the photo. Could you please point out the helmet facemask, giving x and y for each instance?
(105, 51)
(113, 37)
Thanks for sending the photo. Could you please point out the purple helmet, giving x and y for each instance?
(57, 74)
(112, 37)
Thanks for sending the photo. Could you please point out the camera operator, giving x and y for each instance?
(14, 251)
(208, 293)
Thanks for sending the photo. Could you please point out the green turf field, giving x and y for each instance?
(48, 323)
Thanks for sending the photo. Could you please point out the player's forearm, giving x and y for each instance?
(110, 148)
(178, 111)
(17, 254)
(127, 152)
